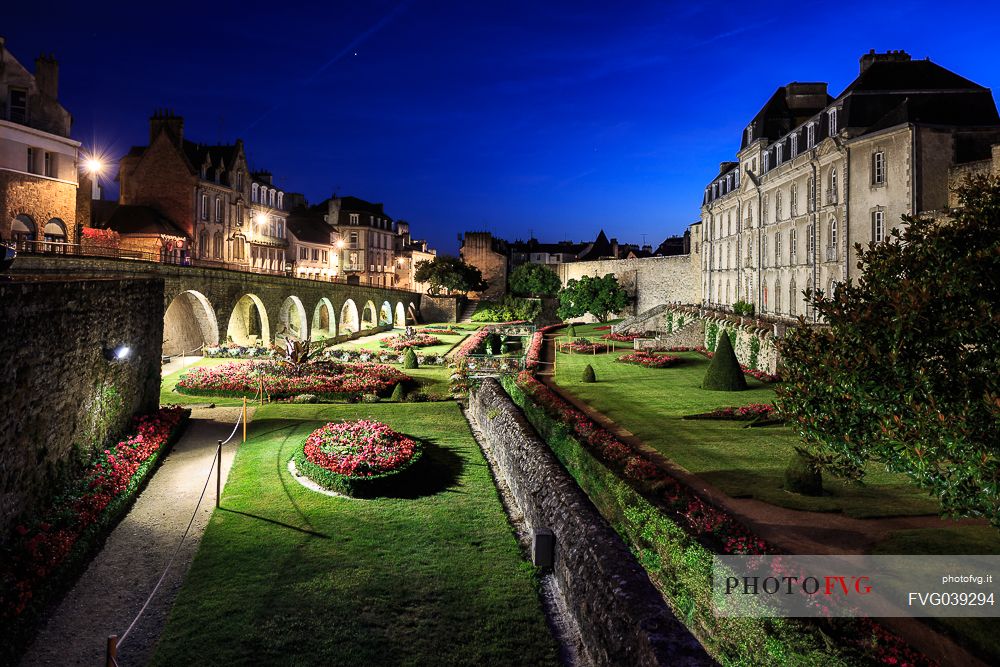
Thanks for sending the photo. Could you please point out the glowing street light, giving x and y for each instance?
(340, 244)
(260, 218)
(93, 166)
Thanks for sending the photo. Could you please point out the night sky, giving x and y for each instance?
(557, 118)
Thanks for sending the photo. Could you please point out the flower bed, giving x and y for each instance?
(362, 458)
(402, 341)
(676, 534)
(445, 331)
(44, 553)
(751, 412)
(379, 356)
(584, 346)
(231, 350)
(471, 344)
(649, 359)
(623, 337)
(328, 380)
(534, 353)
(752, 372)
(606, 327)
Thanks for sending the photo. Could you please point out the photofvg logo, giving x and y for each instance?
(873, 586)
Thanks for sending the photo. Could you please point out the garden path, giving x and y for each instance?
(115, 585)
(178, 364)
(792, 531)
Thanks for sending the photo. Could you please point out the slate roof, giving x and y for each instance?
(144, 220)
(357, 205)
(306, 226)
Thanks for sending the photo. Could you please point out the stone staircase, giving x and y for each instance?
(635, 322)
(690, 334)
(467, 311)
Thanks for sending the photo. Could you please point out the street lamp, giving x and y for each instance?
(93, 164)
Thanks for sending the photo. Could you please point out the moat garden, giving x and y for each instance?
(361, 523)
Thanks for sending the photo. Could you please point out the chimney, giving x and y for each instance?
(614, 248)
(870, 58)
(164, 120)
(47, 76)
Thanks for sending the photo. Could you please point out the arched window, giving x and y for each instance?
(271, 200)
(22, 229)
(793, 200)
(832, 248)
(253, 192)
(218, 209)
(217, 245)
(281, 197)
(55, 232)
(792, 298)
(831, 193)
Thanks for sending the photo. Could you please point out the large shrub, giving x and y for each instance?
(534, 280)
(598, 296)
(724, 373)
(509, 309)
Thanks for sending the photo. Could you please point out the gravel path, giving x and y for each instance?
(112, 590)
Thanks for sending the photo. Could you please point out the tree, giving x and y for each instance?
(450, 274)
(597, 296)
(724, 373)
(906, 374)
(534, 280)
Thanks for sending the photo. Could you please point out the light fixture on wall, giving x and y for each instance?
(118, 353)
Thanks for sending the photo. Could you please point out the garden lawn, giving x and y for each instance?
(742, 462)
(592, 332)
(288, 576)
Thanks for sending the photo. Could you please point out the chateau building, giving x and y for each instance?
(38, 160)
(211, 209)
(816, 174)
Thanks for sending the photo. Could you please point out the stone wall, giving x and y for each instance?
(41, 199)
(689, 334)
(650, 281)
(743, 332)
(622, 618)
(61, 396)
(479, 249)
(441, 308)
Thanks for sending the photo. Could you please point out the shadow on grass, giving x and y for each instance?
(276, 523)
(437, 471)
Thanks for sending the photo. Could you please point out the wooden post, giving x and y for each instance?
(244, 419)
(111, 656)
(262, 390)
(218, 475)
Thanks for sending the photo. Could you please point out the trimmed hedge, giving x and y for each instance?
(356, 487)
(724, 373)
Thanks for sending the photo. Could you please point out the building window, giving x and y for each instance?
(810, 242)
(810, 135)
(271, 199)
(17, 105)
(878, 168)
(793, 200)
(218, 209)
(777, 205)
(303, 253)
(811, 193)
(777, 296)
(354, 219)
(253, 193)
(766, 162)
(792, 242)
(833, 122)
(354, 239)
(833, 233)
(795, 145)
(239, 180)
(204, 206)
(766, 217)
(749, 133)
(792, 298)
(281, 197)
(217, 245)
(763, 250)
(777, 248)
(30, 165)
(239, 214)
(777, 154)
(48, 170)
(238, 250)
(878, 225)
(203, 243)
(326, 257)
(831, 191)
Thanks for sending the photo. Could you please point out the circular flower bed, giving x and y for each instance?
(362, 458)
(649, 359)
(624, 337)
(584, 346)
(402, 341)
(328, 380)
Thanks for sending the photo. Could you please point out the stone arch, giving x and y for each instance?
(369, 318)
(411, 314)
(292, 319)
(400, 320)
(350, 320)
(189, 323)
(248, 323)
(22, 228)
(385, 314)
(324, 323)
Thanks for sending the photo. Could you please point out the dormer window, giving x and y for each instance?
(354, 219)
(271, 202)
(766, 162)
(253, 193)
(749, 134)
(833, 121)
(281, 196)
(810, 135)
(795, 145)
(777, 154)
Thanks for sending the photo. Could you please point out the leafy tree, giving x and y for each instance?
(906, 374)
(450, 274)
(534, 280)
(597, 296)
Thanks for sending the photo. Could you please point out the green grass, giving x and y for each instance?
(448, 341)
(743, 462)
(288, 576)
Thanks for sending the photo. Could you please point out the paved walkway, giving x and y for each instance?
(114, 587)
(178, 363)
(791, 531)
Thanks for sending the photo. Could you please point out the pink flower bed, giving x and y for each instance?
(401, 342)
(101, 238)
(40, 548)
(362, 448)
(329, 379)
(649, 359)
(622, 337)
(740, 412)
(584, 346)
(606, 327)
(752, 372)
(534, 353)
(471, 344)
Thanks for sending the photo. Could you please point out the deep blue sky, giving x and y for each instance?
(556, 117)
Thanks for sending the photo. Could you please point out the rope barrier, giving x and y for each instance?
(215, 459)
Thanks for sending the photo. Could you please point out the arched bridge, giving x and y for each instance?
(208, 306)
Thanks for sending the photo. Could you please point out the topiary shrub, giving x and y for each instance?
(803, 475)
(588, 374)
(724, 373)
(410, 359)
(398, 393)
(571, 331)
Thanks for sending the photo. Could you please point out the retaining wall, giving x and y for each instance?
(622, 618)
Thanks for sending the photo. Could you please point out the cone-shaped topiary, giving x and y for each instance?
(724, 373)
(803, 476)
(588, 374)
(398, 394)
(571, 331)
(410, 359)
